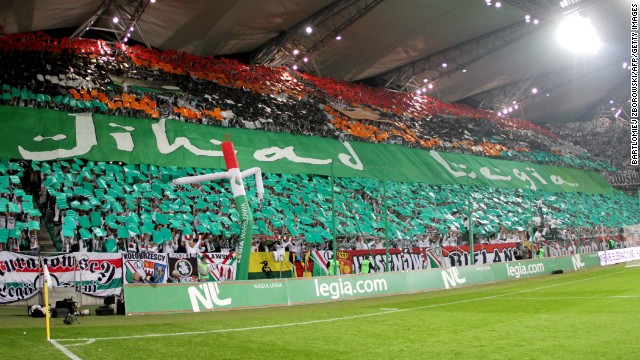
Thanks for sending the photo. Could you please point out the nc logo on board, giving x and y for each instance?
(451, 277)
(577, 262)
(208, 297)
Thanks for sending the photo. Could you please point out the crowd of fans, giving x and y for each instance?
(598, 137)
(88, 75)
(99, 206)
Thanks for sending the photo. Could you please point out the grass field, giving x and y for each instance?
(591, 314)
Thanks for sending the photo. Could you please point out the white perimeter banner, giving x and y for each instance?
(617, 256)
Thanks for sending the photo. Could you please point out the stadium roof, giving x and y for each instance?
(503, 56)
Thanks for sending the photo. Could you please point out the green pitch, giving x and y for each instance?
(591, 314)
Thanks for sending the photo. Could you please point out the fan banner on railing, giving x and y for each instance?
(145, 268)
(350, 260)
(40, 134)
(183, 268)
(96, 274)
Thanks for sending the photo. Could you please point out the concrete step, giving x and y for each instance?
(46, 244)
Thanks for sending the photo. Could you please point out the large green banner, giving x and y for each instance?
(48, 135)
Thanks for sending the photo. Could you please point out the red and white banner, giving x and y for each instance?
(96, 274)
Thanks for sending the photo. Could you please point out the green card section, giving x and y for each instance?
(39, 134)
(198, 297)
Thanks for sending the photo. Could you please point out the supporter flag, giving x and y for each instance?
(262, 265)
(319, 264)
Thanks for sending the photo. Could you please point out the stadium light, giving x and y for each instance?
(296, 51)
(419, 92)
(624, 65)
(308, 29)
(305, 59)
(536, 21)
(295, 67)
(153, 1)
(444, 65)
(527, 18)
(338, 37)
(498, 4)
(576, 33)
(464, 70)
(534, 90)
(430, 86)
(115, 19)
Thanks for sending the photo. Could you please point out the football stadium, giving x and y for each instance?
(312, 179)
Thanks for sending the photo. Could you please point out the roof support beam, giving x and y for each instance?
(429, 69)
(521, 91)
(128, 13)
(326, 24)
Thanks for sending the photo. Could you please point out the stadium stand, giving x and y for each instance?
(111, 206)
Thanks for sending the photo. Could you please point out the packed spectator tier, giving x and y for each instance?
(106, 206)
(88, 75)
(102, 206)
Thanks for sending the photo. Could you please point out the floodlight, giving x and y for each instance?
(115, 19)
(534, 90)
(498, 4)
(430, 86)
(153, 1)
(308, 29)
(295, 67)
(296, 51)
(305, 59)
(444, 65)
(464, 70)
(338, 37)
(576, 33)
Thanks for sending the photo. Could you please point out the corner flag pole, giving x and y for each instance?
(47, 284)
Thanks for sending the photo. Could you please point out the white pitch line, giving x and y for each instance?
(64, 350)
(263, 327)
(573, 297)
